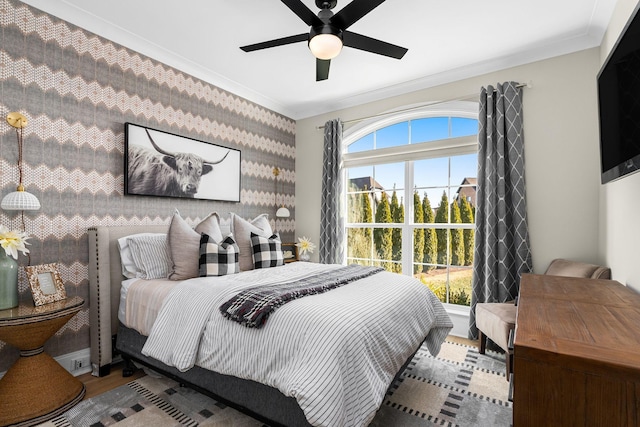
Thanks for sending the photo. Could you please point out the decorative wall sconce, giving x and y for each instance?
(19, 200)
(282, 212)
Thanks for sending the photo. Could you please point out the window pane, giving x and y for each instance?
(460, 285)
(450, 285)
(359, 244)
(463, 167)
(437, 281)
(463, 127)
(442, 247)
(431, 173)
(357, 209)
(468, 236)
(360, 178)
(456, 244)
(389, 175)
(383, 245)
(429, 199)
(396, 206)
(431, 129)
(363, 144)
(425, 254)
(393, 135)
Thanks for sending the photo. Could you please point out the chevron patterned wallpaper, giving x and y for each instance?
(78, 90)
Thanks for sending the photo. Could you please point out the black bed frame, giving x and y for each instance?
(262, 402)
(110, 338)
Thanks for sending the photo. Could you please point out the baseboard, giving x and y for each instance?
(77, 363)
(460, 321)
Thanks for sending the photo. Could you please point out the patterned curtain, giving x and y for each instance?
(331, 220)
(501, 252)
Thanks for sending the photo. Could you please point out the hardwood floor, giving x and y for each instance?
(465, 341)
(98, 385)
(95, 385)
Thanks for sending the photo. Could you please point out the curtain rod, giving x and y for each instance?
(428, 104)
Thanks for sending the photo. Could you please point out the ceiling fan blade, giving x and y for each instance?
(277, 42)
(303, 12)
(352, 12)
(358, 41)
(322, 69)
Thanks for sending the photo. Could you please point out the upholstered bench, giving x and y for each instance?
(496, 320)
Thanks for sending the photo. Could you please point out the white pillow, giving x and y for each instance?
(129, 269)
(242, 229)
(151, 256)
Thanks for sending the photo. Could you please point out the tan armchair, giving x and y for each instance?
(496, 320)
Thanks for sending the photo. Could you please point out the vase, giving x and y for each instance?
(305, 257)
(8, 281)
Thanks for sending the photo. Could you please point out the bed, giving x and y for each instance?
(260, 395)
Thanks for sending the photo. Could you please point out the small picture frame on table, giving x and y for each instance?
(290, 252)
(46, 284)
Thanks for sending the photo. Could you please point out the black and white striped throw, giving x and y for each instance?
(252, 307)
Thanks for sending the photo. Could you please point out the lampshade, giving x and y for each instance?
(20, 200)
(283, 212)
(325, 46)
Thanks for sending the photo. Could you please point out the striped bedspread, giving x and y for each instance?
(336, 353)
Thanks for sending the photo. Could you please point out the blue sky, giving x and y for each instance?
(431, 175)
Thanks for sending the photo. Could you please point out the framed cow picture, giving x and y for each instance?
(159, 163)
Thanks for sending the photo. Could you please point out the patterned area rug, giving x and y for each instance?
(458, 388)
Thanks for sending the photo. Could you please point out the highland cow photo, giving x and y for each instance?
(163, 164)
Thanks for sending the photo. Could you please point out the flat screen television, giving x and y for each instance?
(619, 105)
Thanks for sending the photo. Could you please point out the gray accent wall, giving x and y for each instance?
(78, 90)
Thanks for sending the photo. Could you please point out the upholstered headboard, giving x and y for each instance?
(105, 278)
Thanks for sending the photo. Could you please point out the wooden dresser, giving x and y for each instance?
(576, 353)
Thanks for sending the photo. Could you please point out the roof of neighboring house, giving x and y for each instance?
(366, 183)
(468, 182)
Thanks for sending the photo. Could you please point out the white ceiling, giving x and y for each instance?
(447, 40)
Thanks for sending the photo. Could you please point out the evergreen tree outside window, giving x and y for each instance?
(411, 195)
(430, 252)
(418, 234)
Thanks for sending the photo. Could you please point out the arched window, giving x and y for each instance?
(410, 195)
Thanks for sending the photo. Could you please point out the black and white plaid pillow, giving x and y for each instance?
(267, 251)
(218, 259)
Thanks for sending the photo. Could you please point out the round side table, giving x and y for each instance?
(36, 388)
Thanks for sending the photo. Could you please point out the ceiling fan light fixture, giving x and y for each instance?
(325, 45)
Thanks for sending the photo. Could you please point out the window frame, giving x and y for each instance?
(408, 153)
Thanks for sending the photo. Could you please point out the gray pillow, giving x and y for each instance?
(184, 244)
(242, 229)
(150, 254)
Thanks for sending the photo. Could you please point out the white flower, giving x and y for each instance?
(13, 241)
(305, 245)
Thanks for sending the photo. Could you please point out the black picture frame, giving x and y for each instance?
(207, 171)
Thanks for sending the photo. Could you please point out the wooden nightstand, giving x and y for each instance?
(36, 388)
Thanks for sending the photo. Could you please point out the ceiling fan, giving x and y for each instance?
(329, 33)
